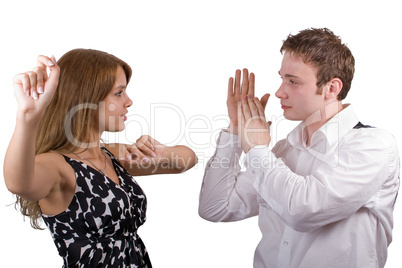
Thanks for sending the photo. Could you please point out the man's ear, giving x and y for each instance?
(333, 88)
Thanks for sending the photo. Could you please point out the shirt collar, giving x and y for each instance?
(328, 135)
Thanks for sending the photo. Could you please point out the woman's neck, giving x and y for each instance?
(91, 149)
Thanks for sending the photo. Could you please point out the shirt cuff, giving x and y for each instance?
(228, 145)
(258, 159)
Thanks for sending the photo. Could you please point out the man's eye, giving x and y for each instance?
(292, 82)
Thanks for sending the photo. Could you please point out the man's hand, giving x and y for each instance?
(236, 92)
(254, 130)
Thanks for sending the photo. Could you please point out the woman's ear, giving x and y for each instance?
(333, 88)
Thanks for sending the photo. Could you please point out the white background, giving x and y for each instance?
(182, 54)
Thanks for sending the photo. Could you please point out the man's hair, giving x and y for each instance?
(324, 51)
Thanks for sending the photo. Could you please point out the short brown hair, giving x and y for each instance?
(323, 50)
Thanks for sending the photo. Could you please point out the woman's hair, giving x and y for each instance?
(323, 50)
(86, 78)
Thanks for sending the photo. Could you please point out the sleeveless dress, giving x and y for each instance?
(99, 228)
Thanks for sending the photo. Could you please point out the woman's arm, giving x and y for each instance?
(24, 173)
(149, 157)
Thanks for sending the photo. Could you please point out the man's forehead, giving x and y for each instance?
(293, 65)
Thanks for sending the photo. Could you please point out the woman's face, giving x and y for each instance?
(113, 108)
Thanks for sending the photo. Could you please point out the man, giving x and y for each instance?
(325, 194)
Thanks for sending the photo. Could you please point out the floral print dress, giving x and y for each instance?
(99, 228)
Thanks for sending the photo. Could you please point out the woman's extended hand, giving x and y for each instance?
(35, 89)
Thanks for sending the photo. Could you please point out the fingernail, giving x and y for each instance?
(50, 63)
(145, 159)
(27, 92)
(40, 90)
(35, 95)
(153, 155)
(128, 157)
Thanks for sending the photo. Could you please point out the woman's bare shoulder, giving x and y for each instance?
(53, 160)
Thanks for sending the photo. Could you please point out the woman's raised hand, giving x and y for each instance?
(35, 89)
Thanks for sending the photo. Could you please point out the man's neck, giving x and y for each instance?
(320, 117)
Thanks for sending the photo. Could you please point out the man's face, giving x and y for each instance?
(298, 91)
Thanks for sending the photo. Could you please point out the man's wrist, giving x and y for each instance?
(232, 129)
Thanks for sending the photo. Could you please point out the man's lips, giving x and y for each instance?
(285, 107)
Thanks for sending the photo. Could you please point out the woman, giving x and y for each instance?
(59, 170)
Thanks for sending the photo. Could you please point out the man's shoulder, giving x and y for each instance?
(370, 136)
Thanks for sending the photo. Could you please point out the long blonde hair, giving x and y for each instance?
(86, 78)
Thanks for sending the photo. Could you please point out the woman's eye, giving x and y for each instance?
(118, 93)
(292, 82)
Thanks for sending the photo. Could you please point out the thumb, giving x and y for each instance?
(264, 100)
(269, 123)
(53, 80)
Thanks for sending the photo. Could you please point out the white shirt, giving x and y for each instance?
(328, 205)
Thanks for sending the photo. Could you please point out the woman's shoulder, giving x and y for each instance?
(50, 157)
(55, 160)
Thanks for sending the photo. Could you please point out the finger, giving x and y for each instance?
(244, 84)
(240, 115)
(253, 107)
(39, 79)
(237, 90)
(135, 153)
(124, 151)
(22, 82)
(45, 61)
(260, 108)
(32, 81)
(264, 100)
(53, 79)
(251, 84)
(230, 87)
(145, 146)
(146, 149)
(152, 143)
(245, 108)
(54, 75)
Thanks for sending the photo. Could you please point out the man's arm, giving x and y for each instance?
(366, 175)
(227, 193)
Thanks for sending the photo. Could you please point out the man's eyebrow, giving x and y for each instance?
(288, 75)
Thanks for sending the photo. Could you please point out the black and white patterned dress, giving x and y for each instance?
(99, 228)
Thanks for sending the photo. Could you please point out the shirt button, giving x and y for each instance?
(253, 171)
(285, 243)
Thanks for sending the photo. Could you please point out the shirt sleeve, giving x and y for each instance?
(365, 174)
(227, 194)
